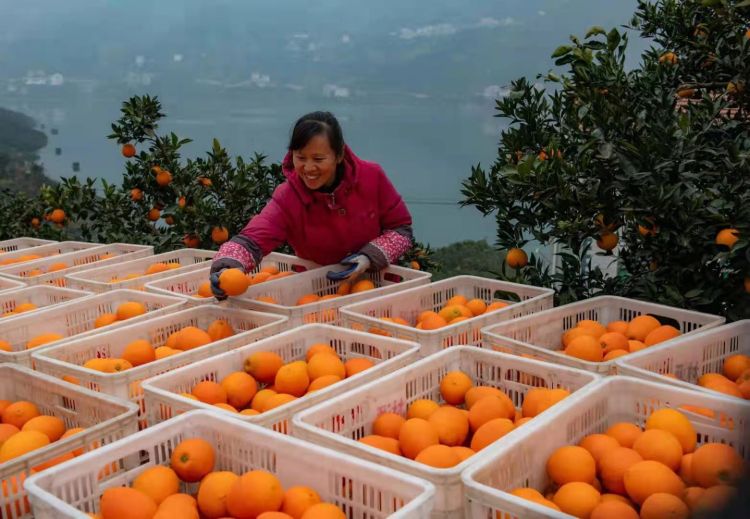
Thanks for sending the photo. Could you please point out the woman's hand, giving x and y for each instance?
(217, 267)
(356, 264)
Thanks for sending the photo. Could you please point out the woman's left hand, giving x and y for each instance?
(356, 264)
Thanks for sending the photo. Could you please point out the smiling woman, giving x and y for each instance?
(333, 205)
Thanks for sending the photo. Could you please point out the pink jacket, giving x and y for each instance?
(363, 214)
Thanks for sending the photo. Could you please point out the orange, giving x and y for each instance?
(267, 299)
(51, 426)
(577, 499)
(323, 364)
(191, 337)
(183, 506)
(209, 392)
(421, 408)
(240, 388)
(130, 309)
(489, 432)
(362, 286)
(204, 289)
(192, 459)
(322, 382)
(226, 407)
(596, 326)
(263, 366)
(451, 312)
(249, 412)
(117, 365)
(453, 387)
(476, 393)
(727, 237)
(735, 365)
(728, 388)
(260, 277)
(457, 300)
(6, 431)
(388, 425)
(571, 463)
(641, 326)
(163, 351)
(676, 423)
(57, 216)
(213, 492)
(44, 338)
(126, 503)
(451, 424)
(320, 347)
(18, 413)
(219, 235)
(516, 258)
(12, 491)
(324, 511)
(277, 400)
(155, 268)
(661, 334)
(618, 498)
(489, 408)
(714, 500)
(158, 483)
(357, 365)
(598, 445)
(427, 313)
(70, 432)
(24, 307)
(103, 365)
(293, 378)
(611, 341)
(659, 445)
(692, 495)
(345, 288)
(618, 327)
(634, 346)
(660, 505)
(416, 434)
(716, 464)
(496, 305)
(260, 399)
(383, 443)
(22, 443)
(3, 405)
(139, 352)
(464, 453)
(613, 510)
(308, 299)
(607, 241)
(686, 469)
(650, 477)
(438, 456)
(476, 306)
(233, 282)
(625, 433)
(614, 354)
(433, 322)
(5, 346)
(220, 329)
(54, 461)
(274, 515)
(585, 348)
(298, 499)
(253, 493)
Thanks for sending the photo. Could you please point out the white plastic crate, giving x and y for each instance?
(46, 251)
(24, 242)
(687, 358)
(288, 290)
(186, 285)
(409, 304)
(75, 319)
(106, 278)
(164, 401)
(522, 462)
(66, 360)
(338, 423)
(541, 334)
(363, 490)
(42, 296)
(109, 255)
(105, 419)
(6, 285)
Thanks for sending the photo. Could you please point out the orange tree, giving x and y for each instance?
(164, 200)
(649, 165)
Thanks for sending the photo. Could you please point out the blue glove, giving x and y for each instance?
(217, 267)
(357, 264)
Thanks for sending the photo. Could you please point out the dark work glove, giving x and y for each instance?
(217, 267)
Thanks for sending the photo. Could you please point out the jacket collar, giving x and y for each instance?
(308, 196)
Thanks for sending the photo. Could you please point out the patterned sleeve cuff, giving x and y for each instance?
(386, 249)
(237, 252)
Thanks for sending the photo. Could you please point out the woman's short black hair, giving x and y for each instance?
(317, 123)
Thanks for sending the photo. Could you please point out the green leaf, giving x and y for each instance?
(595, 30)
(562, 50)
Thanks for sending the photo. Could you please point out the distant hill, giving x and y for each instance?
(19, 142)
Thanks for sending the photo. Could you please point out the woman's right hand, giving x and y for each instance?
(217, 267)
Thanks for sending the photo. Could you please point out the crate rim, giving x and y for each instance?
(33, 263)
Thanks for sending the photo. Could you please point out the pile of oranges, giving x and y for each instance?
(55, 267)
(155, 493)
(154, 268)
(141, 351)
(20, 259)
(594, 342)
(735, 379)
(24, 429)
(472, 418)
(241, 392)
(456, 309)
(20, 308)
(124, 311)
(233, 284)
(629, 472)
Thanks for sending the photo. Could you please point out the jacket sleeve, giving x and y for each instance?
(263, 234)
(395, 223)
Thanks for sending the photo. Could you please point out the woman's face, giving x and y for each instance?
(316, 163)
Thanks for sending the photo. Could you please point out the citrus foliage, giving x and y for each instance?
(647, 164)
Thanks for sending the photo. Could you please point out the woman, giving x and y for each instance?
(333, 205)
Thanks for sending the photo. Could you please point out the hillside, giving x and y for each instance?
(19, 143)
